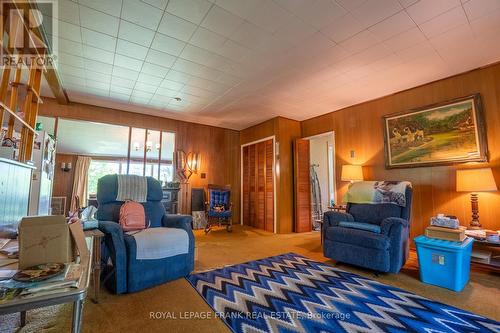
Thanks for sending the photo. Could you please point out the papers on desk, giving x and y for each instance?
(10, 289)
(3, 242)
(7, 262)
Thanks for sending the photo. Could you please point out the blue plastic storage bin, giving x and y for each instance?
(444, 263)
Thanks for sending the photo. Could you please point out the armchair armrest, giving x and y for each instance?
(393, 225)
(181, 222)
(331, 219)
(115, 245)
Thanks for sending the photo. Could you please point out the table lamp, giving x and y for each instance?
(351, 173)
(475, 180)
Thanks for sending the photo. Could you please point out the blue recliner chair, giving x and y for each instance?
(374, 236)
(127, 273)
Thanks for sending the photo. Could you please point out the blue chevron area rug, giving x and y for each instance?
(292, 293)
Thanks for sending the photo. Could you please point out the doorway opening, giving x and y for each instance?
(314, 178)
(322, 175)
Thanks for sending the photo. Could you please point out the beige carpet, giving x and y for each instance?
(177, 299)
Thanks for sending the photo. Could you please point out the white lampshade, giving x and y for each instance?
(351, 173)
(476, 180)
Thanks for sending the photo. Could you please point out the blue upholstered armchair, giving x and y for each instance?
(161, 253)
(218, 207)
(374, 236)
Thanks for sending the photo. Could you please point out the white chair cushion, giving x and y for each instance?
(159, 243)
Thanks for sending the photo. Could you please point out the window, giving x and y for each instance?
(115, 149)
(98, 169)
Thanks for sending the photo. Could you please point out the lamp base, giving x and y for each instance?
(474, 224)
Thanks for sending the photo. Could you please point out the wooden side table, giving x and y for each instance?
(97, 236)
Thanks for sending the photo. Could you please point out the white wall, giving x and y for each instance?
(319, 155)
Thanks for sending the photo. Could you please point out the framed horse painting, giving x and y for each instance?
(439, 134)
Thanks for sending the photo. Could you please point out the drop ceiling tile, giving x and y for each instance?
(69, 59)
(232, 50)
(97, 54)
(201, 56)
(191, 10)
(167, 92)
(406, 3)
(141, 94)
(127, 62)
(167, 44)
(343, 28)
(477, 8)
(243, 9)
(98, 91)
(251, 36)
(73, 80)
(404, 40)
(69, 31)
(111, 7)
(192, 68)
(221, 21)
(195, 91)
(171, 85)
(178, 76)
(393, 26)
(161, 4)
(99, 21)
(125, 73)
(161, 98)
(98, 85)
(139, 100)
(155, 70)
(350, 5)
(144, 87)
(68, 11)
(70, 47)
(372, 12)
(416, 51)
(448, 40)
(96, 39)
(424, 10)
(270, 17)
(207, 39)
(121, 82)
(97, 66)
(132, 50)
(120, 90)
(207, 84)
(119, 96)
(176, 27)
(360, 42)
(444, 22)
(149, 79)
(321, 12)
(98, 77)
(160, 58)
(142, 14)
(136, 34)
(487, 26)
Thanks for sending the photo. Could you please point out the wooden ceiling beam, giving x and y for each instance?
(51, 75)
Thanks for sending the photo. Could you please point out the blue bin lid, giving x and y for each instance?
(424, 240)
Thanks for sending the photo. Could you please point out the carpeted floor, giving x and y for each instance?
(177, 307)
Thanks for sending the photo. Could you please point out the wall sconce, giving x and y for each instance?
(66, 167)
(187, 164)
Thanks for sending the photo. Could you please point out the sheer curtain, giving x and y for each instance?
(80, 182)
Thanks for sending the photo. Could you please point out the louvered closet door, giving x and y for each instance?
(258, 186)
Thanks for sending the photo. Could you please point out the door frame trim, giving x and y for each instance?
(334, 155)
(273, 137)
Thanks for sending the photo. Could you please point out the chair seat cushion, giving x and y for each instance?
(361, 226)
(224, 214)
(158, 243)
(357, 237)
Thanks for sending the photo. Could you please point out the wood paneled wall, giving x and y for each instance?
(285, 131)
(359, 128)
(219, 148)
(63, 180)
